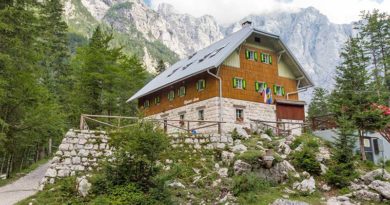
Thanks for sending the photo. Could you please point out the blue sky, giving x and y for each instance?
(229, 11)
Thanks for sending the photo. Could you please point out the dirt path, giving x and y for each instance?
(23, 187)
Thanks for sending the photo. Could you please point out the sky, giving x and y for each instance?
(230, 11)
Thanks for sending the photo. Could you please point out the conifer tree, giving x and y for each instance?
(342, 169)
(319, 105)
(160, 67)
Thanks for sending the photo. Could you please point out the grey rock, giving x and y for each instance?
(83, 186)
(176, 184)
(381, 187)
(340, 200)
(371, 176)
(227, 157)
(265, 137)
(51, 173)
(366, 195)
(278, 173)
(223, 172)
(241, 167)
(324, 169)
(307, 185)
(288, 202)
(323, 154)
(239, 148)
(63, 147)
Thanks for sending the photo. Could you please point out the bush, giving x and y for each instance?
(306, 160)
(249, 183)
(269, 132)
(252, 157)
(296, 143)
(235, 134)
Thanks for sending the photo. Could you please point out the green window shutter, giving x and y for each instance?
(204, 84)
(197, 85)
(244, 84)
(234, 83)
(275, 89)
(255, 55)
(257, 86)
(265, 85)
(270, 59)
(184, 93)
(262, 57)
(247, 54)
(283, 92)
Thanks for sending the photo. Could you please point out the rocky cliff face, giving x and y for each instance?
(314, 40)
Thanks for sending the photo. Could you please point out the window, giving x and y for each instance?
(260, 86)
(200, 114)
(239, 115)
(266, 58)
(182, 91)
(181, 120)
(171, 95)
(279, 90)
(201, 85)
(239, 83)
(146, 104)
(251, 55)
(157, 100)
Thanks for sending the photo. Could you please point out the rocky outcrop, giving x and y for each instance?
(339, 200)
(241, 167)
(288, 202)
(83, 186)
(307, 185)
(366, 195)
(383, 188)
(278, 173)
(378, 173)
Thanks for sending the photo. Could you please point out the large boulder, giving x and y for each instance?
(284, 148)
(241, 167)
(240, 148)
(371, 176)
(83, 186)
(278, 173)
(366, 195)
(381, 187)
(288, 202)
(227, 157)
(339, 200)
(307, 185)
(242, 132)
(265, 137)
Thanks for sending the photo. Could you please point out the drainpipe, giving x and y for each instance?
(298, 90)
(220, 91)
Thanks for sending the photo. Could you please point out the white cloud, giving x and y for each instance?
(228, 11)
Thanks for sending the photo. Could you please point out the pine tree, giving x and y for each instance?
(319, 105)
(56, 51)
(160, 67)
(342, 169)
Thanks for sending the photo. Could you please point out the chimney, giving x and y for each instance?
(246, 23)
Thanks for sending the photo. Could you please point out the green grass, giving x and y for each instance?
(16, 175)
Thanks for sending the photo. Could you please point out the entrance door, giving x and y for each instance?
(369, 149)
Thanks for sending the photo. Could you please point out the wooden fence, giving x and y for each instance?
(279, 127)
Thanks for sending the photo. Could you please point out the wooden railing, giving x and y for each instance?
(119, 122)
(323, 122)
(279, 127)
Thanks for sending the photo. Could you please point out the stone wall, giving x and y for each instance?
(252, 110)
(206, 141)
(80, 150)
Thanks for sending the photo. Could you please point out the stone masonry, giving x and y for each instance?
(80, 150)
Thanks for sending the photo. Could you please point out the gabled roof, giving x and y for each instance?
(212, 57)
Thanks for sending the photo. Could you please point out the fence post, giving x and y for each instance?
(219, 128)
(81, 122)
(165, 126)
(188, 128)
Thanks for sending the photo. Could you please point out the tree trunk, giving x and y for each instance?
(50, 146)
(361, 140)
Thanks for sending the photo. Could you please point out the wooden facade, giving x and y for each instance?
(250, 70)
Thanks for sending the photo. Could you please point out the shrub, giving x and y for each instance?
(249, 183)
(296, 143)
(252, 157)
(235, 134)
(306, 160)
(269, 132)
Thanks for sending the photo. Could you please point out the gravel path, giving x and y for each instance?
(23, 187)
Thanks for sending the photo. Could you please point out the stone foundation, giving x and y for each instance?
(252, 110)
(80, 150)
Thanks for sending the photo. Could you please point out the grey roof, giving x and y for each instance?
(209, 57)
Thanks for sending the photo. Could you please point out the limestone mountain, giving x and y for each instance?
(169, 35)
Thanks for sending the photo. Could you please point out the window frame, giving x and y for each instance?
(181, 88)
(157, 100)
(239, 118)
(201, 116)
(262, 86)
(199, 85)
(266, 58)
(182, 118)
(146, 103)
(242, 83)
(278, 90)
(171, 95)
